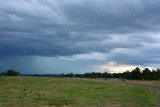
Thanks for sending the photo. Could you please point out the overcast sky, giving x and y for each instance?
(62, 36)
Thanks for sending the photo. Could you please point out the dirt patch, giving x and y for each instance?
(141, 84)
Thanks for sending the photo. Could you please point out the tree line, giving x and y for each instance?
(10, 73)
(135, 74)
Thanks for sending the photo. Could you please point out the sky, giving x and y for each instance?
(63, 36)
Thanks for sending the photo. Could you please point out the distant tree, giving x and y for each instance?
(147, 74)
(136, 73)
(12, 73)
(116, 75)
(154, 75)
(105, 75)
(126, 75)
(2, 73)
(71, 75)
(158, 73)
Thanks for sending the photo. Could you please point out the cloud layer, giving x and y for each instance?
(125, 31)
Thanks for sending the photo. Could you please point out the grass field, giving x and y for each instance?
(70, 92)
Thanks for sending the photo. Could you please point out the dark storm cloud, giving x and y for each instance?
(69, 27)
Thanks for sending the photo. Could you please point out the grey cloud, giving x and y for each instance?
(147, 54)
(113, 15)
(64, 28)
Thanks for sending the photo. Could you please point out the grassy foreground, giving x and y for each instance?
(68, 92)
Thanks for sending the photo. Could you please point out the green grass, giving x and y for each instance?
(43, 91)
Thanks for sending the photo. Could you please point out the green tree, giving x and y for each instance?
(136, 73)
(12, 73)
(147, 74)
(158, 73)
(2, 73)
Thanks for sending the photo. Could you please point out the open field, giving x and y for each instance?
(71, 92)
